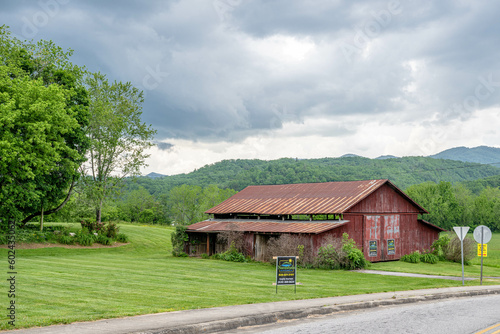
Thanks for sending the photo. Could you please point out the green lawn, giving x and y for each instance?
(57, 285)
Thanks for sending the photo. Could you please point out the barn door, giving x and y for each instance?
(391, 237)
(372, 238)
(381, 238)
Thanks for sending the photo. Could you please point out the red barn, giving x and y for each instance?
(382, 219)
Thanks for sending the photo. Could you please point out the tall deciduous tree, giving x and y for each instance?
(118, 138)
(42, 114)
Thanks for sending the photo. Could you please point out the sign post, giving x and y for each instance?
(461, 232)
(286, 271)
(482, 235)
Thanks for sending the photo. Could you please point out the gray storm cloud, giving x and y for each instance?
(229, 69)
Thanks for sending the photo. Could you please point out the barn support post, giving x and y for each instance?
(208, 243)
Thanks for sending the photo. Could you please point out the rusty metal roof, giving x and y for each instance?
(301, 199)
(265, 226)
(431, 225)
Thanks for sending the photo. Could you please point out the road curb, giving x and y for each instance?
(262, 319)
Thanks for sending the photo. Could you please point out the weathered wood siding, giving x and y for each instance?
(384, 200)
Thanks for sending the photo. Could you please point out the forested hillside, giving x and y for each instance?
(404, 172)
(480, 154)
(477, 186)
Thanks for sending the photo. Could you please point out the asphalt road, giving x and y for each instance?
(457, 316)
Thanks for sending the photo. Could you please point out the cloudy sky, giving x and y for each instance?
(229, 79)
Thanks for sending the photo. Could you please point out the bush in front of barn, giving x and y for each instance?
(356, 258)
(179, 238)
(454, 250)
(412, 257)
(444, 249)
(232, 254)
(291, 245)
(440, 246)
(335, 254)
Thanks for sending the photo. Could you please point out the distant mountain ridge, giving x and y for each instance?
(382, 157)
(481, 154)
(154, 175)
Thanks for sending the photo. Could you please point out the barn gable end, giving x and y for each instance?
(387, 199)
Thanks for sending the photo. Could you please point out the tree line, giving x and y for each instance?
(457, 205)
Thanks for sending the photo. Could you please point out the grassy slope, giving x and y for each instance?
(57, 285)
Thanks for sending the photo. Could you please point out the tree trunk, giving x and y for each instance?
(98, 211)
(98, 214)
(41, 220)
(27, 219)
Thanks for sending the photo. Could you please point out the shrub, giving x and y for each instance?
(121, 237)
(429, 258)
(291, 245)
(66, 240)
(179, 238)
(111, 230)
(355, 257)
(340, 254)
(412, 257)
(84, 238)
(3, 239)
(228, 238)
(93, 226)
(440, 246)
(327, 258)
(104, 240)
(231, 254)
(454, 252)
(205, 256)
(64, 231)
(52, 236)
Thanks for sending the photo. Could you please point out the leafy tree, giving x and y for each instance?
(34, 128)
(465, 200)
(139, 206)
(439, 199)
(214, 196)
(188, 203)
(118, 138)
(43, 104)
(32, 124)
(486, 208)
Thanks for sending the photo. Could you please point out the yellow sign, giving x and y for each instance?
(485, 250)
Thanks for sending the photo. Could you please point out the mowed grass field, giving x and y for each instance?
(58, 285)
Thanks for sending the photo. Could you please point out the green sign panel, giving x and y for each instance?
(286, 269)
(373, 248)
(391, 247)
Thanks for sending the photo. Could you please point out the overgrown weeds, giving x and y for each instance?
(334, 254)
